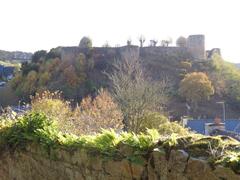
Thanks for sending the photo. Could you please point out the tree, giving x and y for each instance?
(39, 56)
(141, 40)
(153, 42)
(129, 42)
(135, 94)
(85, 42)
(96, 114)
(29, 86)
(166, 42)
(181, 42)
(70, 76)
(196, 87)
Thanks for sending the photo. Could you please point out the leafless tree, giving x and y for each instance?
(153, 42)
(135, 93)
(141, 40)
(129, 42)
(166, 42)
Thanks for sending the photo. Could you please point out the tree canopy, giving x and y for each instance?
(85, 42)
(196, 87)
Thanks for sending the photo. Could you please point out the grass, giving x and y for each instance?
(10, 63)
(38, 128)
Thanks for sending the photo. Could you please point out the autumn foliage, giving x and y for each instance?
(196, 87)
(91, 116)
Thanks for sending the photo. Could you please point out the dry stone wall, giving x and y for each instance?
(35, 164)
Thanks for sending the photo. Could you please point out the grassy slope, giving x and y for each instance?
(10, 63)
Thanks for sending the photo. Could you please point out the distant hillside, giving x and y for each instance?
(15, 55)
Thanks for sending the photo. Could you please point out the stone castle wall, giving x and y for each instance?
(196, 46)
(35, 163)
(195, 49)
(102, 53)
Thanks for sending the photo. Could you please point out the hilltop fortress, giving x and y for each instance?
(194, 50)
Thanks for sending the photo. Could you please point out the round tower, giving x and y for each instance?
(196, 46)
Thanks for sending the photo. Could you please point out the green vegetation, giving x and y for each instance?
(227, 79)
(89, 117)
(85, 42)
(10, 63)
(38, 128)
(196, 87)
(80, 74)
(48, 72)
(137, 95)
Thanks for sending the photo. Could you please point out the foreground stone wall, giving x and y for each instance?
(35, 164)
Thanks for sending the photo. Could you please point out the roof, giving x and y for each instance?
(198, 125)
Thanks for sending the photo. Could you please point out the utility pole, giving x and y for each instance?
(224, 109)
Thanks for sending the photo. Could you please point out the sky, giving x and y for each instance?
(31, 25)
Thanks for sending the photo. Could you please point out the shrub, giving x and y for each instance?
(154, 120)
(99, 113)
(90, 117)
(151, 120)
(169, 128)
(32, 127)
(53, 106)
(185, 65)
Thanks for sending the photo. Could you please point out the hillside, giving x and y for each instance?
(15, 56)
(78, 72)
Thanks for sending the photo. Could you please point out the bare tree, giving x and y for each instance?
(141, 40)
(135, 93)
(129, 42)
(153, 42)
(166, 42)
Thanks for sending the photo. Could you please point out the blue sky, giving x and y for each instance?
(31, 25)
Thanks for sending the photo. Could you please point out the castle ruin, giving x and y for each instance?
(194, 50)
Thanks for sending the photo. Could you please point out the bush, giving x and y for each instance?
(54, 107)
(185, 65)
(91, 116)
(169, 128)
(99, 113)
(153, 120)
(32, 127)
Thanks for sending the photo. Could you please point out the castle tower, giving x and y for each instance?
(196, 46)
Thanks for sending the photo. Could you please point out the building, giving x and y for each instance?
(202, 125)
(6, 71)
